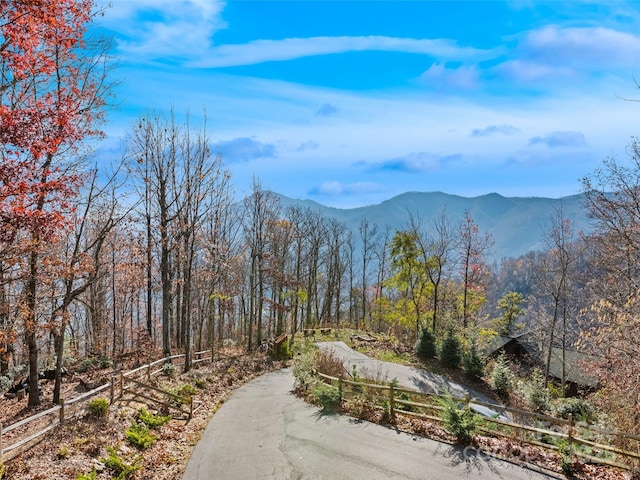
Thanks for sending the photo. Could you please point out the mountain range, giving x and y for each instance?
(517, 224)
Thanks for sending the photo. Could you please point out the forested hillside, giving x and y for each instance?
(516, 223)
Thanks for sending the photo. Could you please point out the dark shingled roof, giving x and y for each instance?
(574, 361)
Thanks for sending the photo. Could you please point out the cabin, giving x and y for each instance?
(525, 349)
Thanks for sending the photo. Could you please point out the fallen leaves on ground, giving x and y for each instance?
(78, 446)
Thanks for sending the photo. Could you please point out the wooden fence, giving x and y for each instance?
(20, 434)
(587, 441)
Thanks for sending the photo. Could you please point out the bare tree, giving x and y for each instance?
(82, 247)
(473, 248)
(222, 266)
(436, 249)
(315, 225)
(261, 208)
(154, 144)
(296, 218)
(612, 198)
(557, 277)
(334, 264)
(197, 175)
(369, 237)
(382, 258)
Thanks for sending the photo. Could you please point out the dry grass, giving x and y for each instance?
(329, 364)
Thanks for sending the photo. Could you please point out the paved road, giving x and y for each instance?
(408, 377)
(264, 432)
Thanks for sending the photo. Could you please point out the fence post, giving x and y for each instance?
(112, 389)
(121, 385)
(570, 439)
(392, 413)
(61, 411)
(149, 372)
(190, 407)
(340, 389)
(467, 399)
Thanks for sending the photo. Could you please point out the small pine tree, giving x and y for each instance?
(473, 362)
(461, 422)
(536, 395)
(426, 345)
(450, 351)
(501, 376)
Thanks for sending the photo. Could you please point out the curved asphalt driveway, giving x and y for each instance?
(264, 432)
(408, 377)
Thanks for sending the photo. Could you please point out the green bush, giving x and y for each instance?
(139, 435)
(566, 464)
(580, 408)
(187, 390)
(85, 364)
(150, 420)
(98, 407)
(566, 457)
(302, 369)
(169, 369)
(182, 393)
(327, 396)
(402, 406)
(5, 383)
(63, 452)
(283, 352)
(450, 351)
(460, 421)
(101, 362)
(501, 376)
(473, 362)
(92, 475)
(426, 345)
(535, 393)
(117, 464)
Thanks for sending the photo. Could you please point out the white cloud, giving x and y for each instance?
(493, 130)
(309, 145)
(553, 56)
(260, 51)
(560, 139)
(593, 47)
(464, 77)
(339, 188)
(326, 110)
(164, 28)
(377, 127)
(245, 149)
(414, 162)
(529, 71)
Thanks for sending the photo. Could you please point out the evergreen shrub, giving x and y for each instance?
(426, 345)
(501, 376)
(450, 351)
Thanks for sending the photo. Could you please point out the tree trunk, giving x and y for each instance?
(58, 341)
(32, 328)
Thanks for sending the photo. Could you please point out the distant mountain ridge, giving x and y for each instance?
(517, 224)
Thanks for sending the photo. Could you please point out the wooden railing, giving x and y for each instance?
(20, 434)
(590, 442)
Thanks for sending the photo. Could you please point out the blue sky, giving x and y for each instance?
(351, 103)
